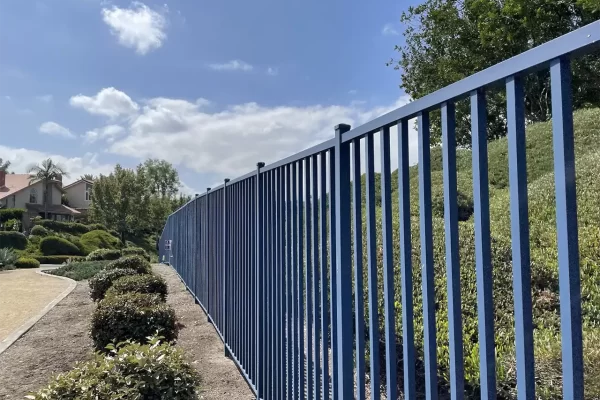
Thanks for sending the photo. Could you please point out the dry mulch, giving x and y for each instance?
(221, 379)
(53, 345)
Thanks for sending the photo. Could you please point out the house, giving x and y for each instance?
(79, 195)
(17, 191)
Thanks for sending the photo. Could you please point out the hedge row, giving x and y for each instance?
(74, 228)
(11, 213)
(11, 239)
(57, 259)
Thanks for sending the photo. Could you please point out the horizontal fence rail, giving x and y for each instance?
(276, 258)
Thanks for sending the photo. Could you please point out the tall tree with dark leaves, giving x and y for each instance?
(4, 165)
(46, 172)
(162, 177)
(448, 40)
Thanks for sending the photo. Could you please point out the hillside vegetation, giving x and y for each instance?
(544, 269)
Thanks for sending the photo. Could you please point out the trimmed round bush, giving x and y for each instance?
(99, 239)
(39, 230)
(135, 251)
(103, 254)
(131, 371)
(57, 259)
(27, 262)
(136, 263)
(97, 227)
(73, 228)
(100, 283)
(133, 316)
(54, 245)
(145, 283)
(14, 240)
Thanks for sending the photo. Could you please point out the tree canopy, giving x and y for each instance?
(4, 165)
(448, 40)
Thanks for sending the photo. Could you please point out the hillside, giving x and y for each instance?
(543, 259)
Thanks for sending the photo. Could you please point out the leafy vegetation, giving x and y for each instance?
(54, 245)
(130, 371)
(80, 270)
(103, 254)
(57, 259)
(39, 230)
(73, 228)
(103, 280)
(99, 239)
(135, 251)
(25, 262)
(46, 172)
(145, 283)
(8, 257)
(12, 239)
(11, 213)
(132, 316)
(136, 263)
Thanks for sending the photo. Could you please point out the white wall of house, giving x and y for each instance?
(77, 195)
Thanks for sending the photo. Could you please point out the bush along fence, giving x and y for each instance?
(313, 286)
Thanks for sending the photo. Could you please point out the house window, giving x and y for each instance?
(33, 196)
(88, 192)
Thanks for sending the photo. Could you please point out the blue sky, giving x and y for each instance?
(212, 87)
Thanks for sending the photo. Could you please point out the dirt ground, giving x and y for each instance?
(53, 345)
(23, 294)
(202, 345)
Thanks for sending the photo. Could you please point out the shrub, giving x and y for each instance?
(98, 239)
(136, 263)
(114, 233)
(73, 228)
(80, 270)
(100, 283)
(11, 239)
(54, 245)
(97, 227)
(131, 371)
(27, 262)
(57, 259)
(145, 283)
(13, 225)
(11, 213)
(39, 230)
(132, 316)
(8, 257)
(135, 251)
(103, 254)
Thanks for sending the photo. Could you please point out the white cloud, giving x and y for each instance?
(47, 98)
(21, 159)
(7, 97)
(108, 133)
(109, 102)
(233, 65)
(389, 30)
(273, 71)
(229, 142)
(138, 27)
(53, 129)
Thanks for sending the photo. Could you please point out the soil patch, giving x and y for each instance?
(202, 345)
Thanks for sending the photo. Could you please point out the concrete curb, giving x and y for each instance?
(27, 325)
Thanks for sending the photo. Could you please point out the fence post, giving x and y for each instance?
(345, 375)
(260, 373)
(207, 255)
(225, 263)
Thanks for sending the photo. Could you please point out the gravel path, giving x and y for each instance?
(58, 340)
(202, 345)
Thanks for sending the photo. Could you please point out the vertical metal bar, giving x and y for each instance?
(300, 265)
(372, 266)
(309, 278)
(408, 333)
(208, 258)
(280, 281)
(243, 261)
(271, 285)
(267, 266)
(225, 328)
(295, 315)
(359, 307)
(427, 258)
(483, 259)
(315, 275)
(253, 275)
(520, 238)
(259, 290)
(457, 376)
(333, 273)
(388, 264)
(323, 279)
(288, 283)
(566, 224)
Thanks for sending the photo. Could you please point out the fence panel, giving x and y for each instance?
(292, 261)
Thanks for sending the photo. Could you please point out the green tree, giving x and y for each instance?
(448, 40)
(162, 177)
(46, 172)
(4, 165)
(121, 201)
(87, 177)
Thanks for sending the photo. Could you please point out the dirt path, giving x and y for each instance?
(202, 345)
(53, 345)
(24, 294)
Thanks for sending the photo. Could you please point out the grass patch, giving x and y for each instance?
(80, 271)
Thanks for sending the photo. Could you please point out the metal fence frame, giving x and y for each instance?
(257, 250)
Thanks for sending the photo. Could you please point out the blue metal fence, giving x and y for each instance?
(272, 256)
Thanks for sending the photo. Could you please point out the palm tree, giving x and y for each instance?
(4, 165)
(46, 172)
